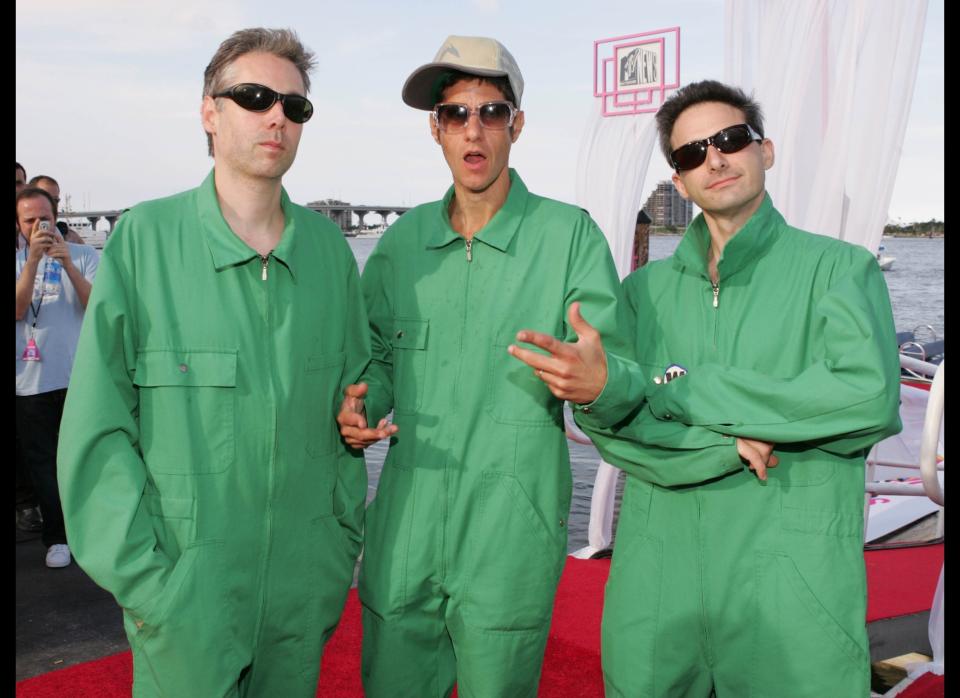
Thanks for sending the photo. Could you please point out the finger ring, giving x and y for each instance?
(539, 373)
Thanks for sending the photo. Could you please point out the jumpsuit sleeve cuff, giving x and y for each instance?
(615, 401)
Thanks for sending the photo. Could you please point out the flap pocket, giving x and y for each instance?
(169, 507)
(409, 333)
(186, 367)
(831, 523)
(317, 363)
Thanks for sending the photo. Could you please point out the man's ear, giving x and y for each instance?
(766, 149)
(209, 114)
(517, 127)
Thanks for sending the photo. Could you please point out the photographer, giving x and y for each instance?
(53, 284)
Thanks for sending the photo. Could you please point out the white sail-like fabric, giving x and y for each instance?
(613, 162)
(835, 81)
(614, 156)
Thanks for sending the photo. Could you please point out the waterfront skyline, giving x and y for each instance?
(108, 94)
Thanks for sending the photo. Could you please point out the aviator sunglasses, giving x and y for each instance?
(254, 97)
(728, 140)
(452, 117)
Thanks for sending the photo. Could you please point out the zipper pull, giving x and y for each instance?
(263, 269)
(470, 250)
(716, 293)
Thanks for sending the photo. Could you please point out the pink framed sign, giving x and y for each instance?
(632, 73)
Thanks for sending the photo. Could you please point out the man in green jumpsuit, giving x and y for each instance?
(204, 482)
(466, 538)
(757, 343)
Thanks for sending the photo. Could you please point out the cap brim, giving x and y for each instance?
(418, 89)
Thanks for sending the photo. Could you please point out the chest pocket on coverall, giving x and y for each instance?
(409, 341)
(514, 394)
(187, 403)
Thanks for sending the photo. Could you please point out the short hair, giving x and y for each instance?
(35, 181)
(451, 77)
(30, 192)
(697, 93)
(282, 43)
(20, 167)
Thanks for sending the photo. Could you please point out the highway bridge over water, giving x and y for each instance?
(341, 213)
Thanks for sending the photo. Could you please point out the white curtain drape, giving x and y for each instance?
(614, 156)
(835, 80)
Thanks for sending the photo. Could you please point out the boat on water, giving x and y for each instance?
(85, 229)
(921, 343)
(884, 260)
(373, 232)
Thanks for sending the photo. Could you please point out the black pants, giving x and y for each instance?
(26, 497)
(38, 428)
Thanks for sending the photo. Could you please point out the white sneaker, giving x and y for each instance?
(58, 555)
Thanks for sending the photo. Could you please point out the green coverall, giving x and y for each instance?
(203, 479)
(466, 538)
(719, 579)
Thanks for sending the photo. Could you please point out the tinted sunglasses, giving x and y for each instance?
(451, 117)
(728, 140)
(254, 97)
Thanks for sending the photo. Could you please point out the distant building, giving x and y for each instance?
(666, 207)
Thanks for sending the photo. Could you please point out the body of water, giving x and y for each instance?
(916, 293)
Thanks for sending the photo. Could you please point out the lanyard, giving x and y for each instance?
(36, 309)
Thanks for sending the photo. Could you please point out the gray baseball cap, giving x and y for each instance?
(474, 55)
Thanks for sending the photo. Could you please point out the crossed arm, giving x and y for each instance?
(577, 372)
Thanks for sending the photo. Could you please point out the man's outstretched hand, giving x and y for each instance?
(353, 419)
(574, 371)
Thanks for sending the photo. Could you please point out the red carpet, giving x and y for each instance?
(900, 581)
(925, 686)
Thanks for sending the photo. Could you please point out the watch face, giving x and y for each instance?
(673, 371)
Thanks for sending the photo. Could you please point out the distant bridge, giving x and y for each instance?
(340, 213)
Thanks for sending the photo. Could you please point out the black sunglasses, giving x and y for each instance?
(452, 117)
(254, 97)
(728, 140)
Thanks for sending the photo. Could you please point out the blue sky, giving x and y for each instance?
(108, 92)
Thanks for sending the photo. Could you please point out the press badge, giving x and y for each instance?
(32, 352)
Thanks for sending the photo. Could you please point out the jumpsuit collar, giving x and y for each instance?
(749, 243)
(499, 231)
(226, 249)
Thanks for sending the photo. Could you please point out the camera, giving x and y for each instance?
(44, 226)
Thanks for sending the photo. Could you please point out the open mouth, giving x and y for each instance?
(474, 158)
